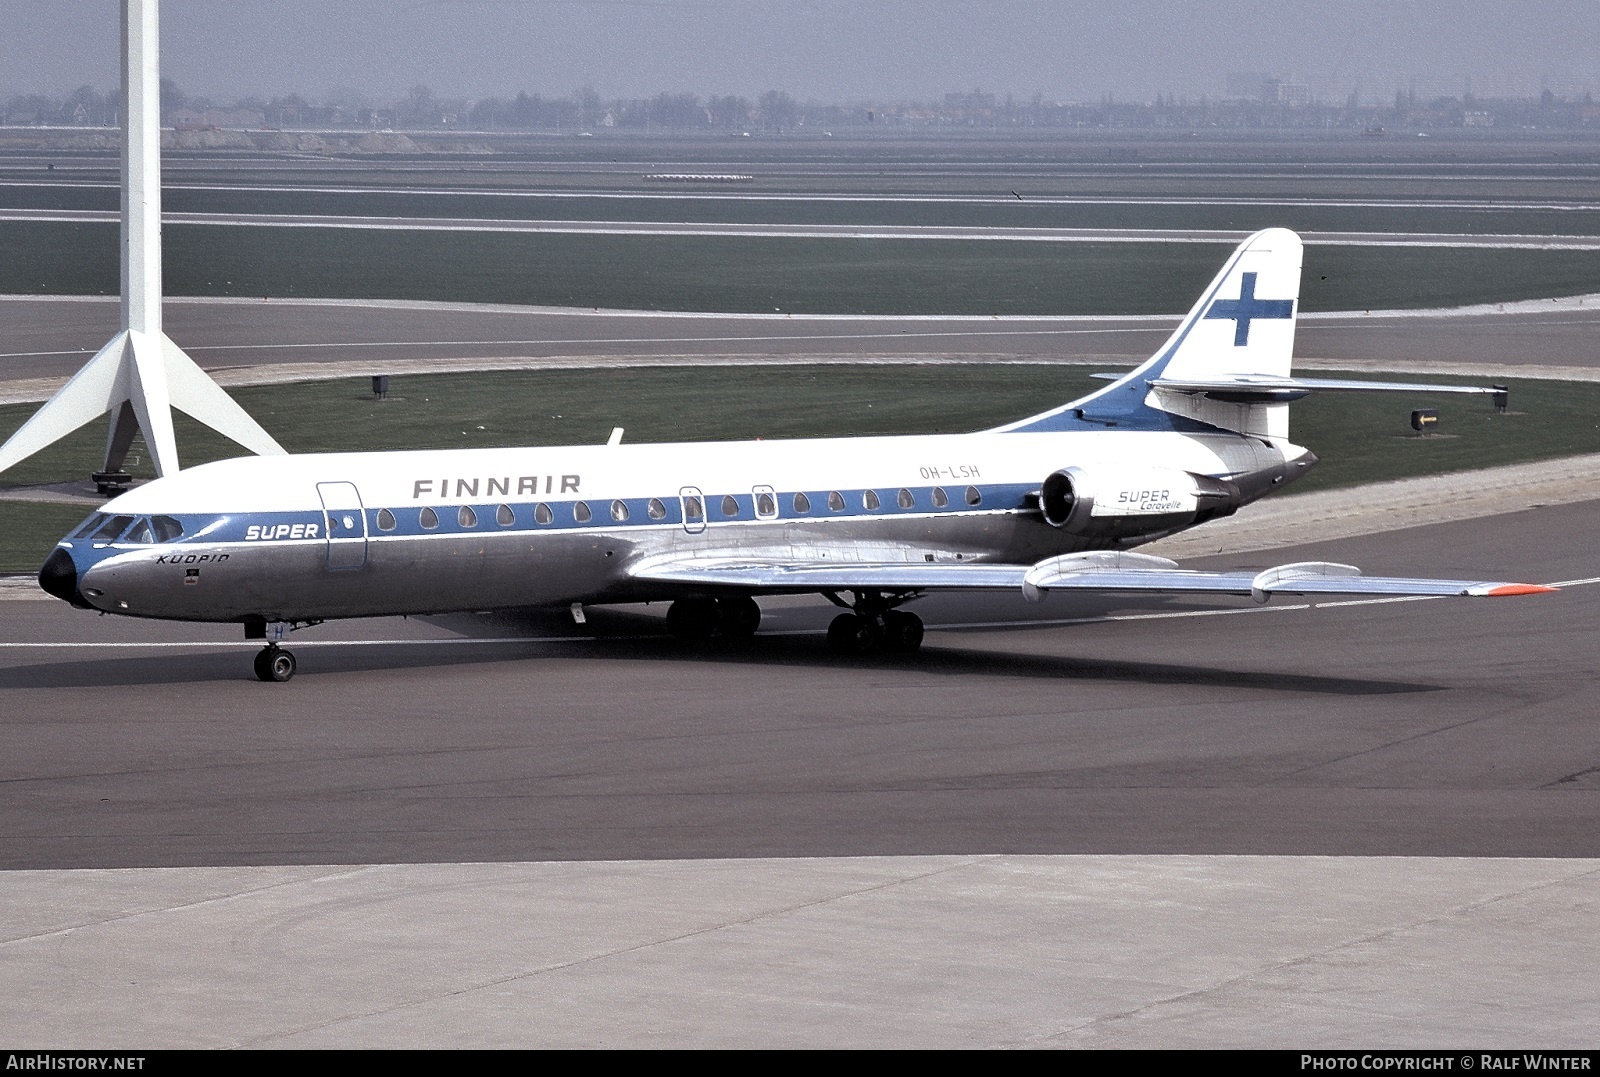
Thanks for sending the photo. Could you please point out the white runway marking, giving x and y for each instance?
(818, 231)
(862, 199)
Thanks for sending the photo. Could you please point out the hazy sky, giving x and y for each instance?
(816, 49)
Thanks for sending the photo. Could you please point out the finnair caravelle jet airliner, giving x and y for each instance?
(1053, 502)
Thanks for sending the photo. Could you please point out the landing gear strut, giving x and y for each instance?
(273, 663)
(874, 625)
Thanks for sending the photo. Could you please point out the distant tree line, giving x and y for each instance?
(776, 112)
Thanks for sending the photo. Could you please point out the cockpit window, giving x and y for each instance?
(140, 532)
(88, 526)
(112, 528)
(166, 528)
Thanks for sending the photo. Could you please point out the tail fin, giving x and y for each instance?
(1242, 326)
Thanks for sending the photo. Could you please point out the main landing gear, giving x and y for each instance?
(874, 625)
(273, 663)
(736, 617)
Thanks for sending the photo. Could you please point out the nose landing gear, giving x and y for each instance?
(273, 663)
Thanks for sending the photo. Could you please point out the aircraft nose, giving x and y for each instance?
(59, 577)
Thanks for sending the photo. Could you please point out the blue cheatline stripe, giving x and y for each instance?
(309, 524)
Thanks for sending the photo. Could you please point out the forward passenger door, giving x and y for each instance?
(344, 524)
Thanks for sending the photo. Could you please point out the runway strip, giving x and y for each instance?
(815, 231)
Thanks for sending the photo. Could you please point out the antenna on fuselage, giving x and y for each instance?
(140, 375)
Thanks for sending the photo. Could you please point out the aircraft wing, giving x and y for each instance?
(1099, 571)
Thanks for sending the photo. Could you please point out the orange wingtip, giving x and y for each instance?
(1507, 589)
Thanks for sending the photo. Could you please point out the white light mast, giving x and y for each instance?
(140, 374)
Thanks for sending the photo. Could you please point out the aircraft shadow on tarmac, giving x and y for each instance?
(631, 638)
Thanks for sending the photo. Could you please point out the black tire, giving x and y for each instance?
(692, 618)
(274, 665)
(854, 636)
(738, 617)
(902, 632)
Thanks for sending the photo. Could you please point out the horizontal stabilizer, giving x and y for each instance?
(1094, 572)
(1260, 389)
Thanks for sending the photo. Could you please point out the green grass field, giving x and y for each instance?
(824, 276)
(1359, 438)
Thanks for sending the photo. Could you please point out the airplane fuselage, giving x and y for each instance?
(316, 537)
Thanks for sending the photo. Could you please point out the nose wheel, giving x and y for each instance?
(274, 664)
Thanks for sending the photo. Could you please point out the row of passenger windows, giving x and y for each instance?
(693, 509)
(156, 529)
(872, 503)
(146, 530)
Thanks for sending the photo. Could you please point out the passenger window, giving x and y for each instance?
(140, 532)
(905, 500)
(692, 509)
(836, 501)
(580, 512)
(385, 520)
(466, 517)
(973, 497)
(429, 519)
(656, 510)
(869, 501)
(940, 500)
(766, 507)
(619, 510)
(504, 516)
(730, 505)
(89, 525)
(802, 504)
(542, 513)
(113, 527)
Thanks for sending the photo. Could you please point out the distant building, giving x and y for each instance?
(969, 102)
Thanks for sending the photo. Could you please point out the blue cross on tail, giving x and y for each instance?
(1246, 307)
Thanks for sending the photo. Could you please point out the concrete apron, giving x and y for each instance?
(939, 951)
